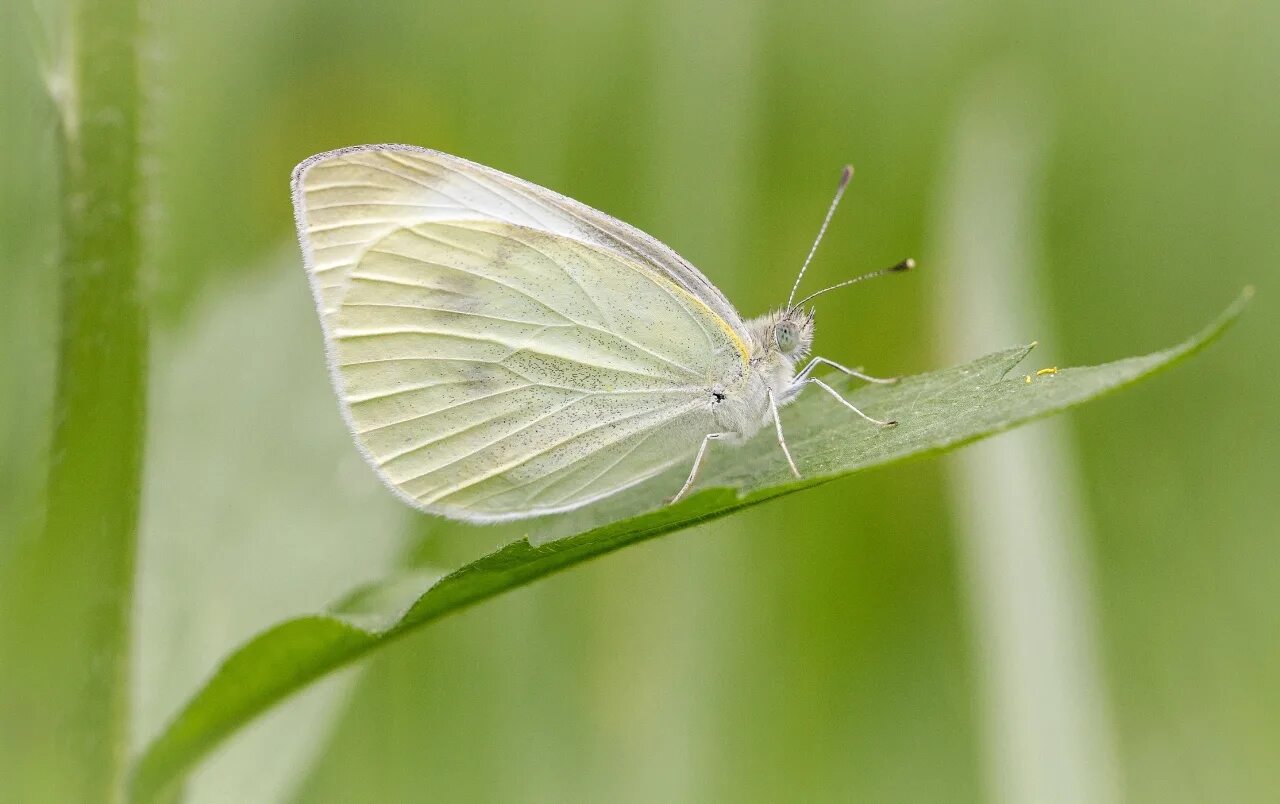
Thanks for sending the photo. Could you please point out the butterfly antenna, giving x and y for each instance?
(905, 265)
(845, 176)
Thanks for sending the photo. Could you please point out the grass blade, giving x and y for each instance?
(67, 597)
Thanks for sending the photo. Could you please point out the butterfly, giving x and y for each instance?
(502, 351)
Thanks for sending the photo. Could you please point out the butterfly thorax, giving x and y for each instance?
(779, 340)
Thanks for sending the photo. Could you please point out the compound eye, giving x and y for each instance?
(786, 336)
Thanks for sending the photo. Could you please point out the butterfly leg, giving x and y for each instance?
(847, 404)
(822, 361)
(697, 464)
(782, 442)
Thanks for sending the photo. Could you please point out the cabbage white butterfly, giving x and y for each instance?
(501, 351)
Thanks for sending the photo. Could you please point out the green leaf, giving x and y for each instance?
(937, 411)
(66, 591)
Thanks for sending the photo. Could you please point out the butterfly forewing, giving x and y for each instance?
(353, 194)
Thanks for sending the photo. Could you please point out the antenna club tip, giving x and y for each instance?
(846, 174)
(906, 265)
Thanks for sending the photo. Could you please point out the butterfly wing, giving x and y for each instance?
(493, 370)
(354, 193)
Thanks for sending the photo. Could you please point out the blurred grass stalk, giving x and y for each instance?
(1023, 536)
(67, 603)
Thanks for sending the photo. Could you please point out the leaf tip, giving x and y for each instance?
(1228, 316)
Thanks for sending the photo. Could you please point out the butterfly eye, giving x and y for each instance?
(786, 336)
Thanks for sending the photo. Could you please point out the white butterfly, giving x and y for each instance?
(501, 351)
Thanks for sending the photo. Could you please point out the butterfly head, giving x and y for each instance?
(787, 332)
(793, 332)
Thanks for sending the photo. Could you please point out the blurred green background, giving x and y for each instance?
(1088, 610)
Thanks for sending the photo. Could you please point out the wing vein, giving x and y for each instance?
(486, 187)
(605, 317)
(578, 489)
(568, 324)
(489, 444)
(469, 314)
(429, 187)
(527, 347)
(348, 224)
(390, 172)
(359, 400)
(428, 414)
(343, 204)
(528, 457)
(513, 288)
(345, 185)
